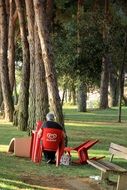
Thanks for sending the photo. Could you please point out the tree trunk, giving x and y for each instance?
(82, 90)
(114, 91)
(80, 11)
(104, 84)
(6, 90)
(54, 99)
(49, 13)
(73, 94)
(105, 64)
(1, 96)
(64, 95)
(69, 95)
(121, 79)
(15, 94)
(113, 85)
(81, 96)
(24, 88)
(32, 92)
(11, 46)
(42, 105)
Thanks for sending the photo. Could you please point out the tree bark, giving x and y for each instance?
(24, 88)
(11, 46)
(6, 90)
(1, 96)
(105, 65)
(104, 84)
(114, 93)
(121, 79)
(82, 90)
(81, 96)
(32, 92)
(54, 99)
(80, 11)
(42, 105)
(73, 94)
(63, 95)
(49, 13)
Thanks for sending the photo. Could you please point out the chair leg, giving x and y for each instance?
(122, 182)
(83, 156)
(59, 153)
(83, 151)
(40, 150)
(37, 156)
(104, 176)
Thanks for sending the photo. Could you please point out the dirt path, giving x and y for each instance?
(60, 183)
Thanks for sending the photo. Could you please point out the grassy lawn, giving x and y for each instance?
(95, 124)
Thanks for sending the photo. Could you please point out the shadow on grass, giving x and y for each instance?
(13, 185)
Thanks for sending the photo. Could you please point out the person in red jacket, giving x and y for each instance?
(51, 124)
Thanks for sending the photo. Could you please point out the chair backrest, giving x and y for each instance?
(38, 125)
(52, 138)
(118, 150)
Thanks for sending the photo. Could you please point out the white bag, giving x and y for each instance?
(65, 160)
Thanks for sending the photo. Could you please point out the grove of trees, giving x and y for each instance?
(75, 46)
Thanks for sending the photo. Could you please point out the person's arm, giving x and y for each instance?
(40, 132)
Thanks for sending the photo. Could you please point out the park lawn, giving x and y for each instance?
(94, 124)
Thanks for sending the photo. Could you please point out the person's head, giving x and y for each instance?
(50, 117)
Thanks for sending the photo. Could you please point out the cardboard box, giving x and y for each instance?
(20, 146)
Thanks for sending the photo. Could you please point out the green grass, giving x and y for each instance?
(94, 124)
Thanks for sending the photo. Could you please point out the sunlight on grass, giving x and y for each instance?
(80, 124)
(77, 124)
(5, 186)
(4, 122)
(15, 185)
(3, 148)
(68, 106)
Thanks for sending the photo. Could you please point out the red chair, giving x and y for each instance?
(53, 140)
(82, 150)
(35, 141)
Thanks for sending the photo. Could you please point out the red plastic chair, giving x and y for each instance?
(82, 150)
(35, 142)
(52, 140)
